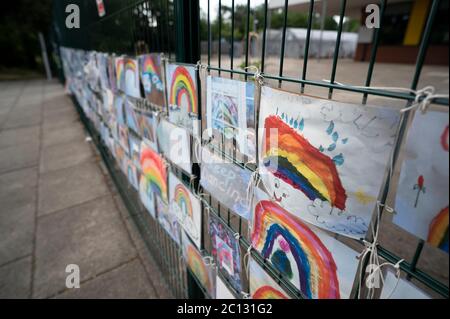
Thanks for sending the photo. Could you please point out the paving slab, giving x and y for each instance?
(18, 157)
(17, 213)
(17, 232)
(58, 133)
(17, 180)
(70, 186)
(90, 235)
(62, 115)
(24, 116)
(59, 156)
(15, 279)
(129, 281)
(148, 261)
(20, 136)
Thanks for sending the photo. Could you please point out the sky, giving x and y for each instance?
(215, 5)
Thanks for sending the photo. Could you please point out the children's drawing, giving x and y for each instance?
(175, 143)
(108, 104)
(400, 289)
(102, 63)
(132, 119)
(120, 73)
(119, 107)
(225, 181)
(230, 112)
(148, 123)
(196, 263)
(135, 149)
(226, 251)
(132, 174)
(150, 66)
(168, 220)
(182, 95)
(317, 264)
(325, 161)
(222, 290)
(123, 138)
(187, 208)
(112, 74)
(154, 175)
(262, 286)
(132, 84)
(422, 196)
(121, 158)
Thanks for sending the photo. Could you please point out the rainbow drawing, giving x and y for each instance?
(149, 65)
(120, 75)
(225, 113)
(131, 66)
(183, 200)
(284, 240)
(268, 292)
(183, 86)
(154, 170)
(196, 264)
(298, 163)
(438, 234)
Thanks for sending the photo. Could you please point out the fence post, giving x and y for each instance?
(187, 29)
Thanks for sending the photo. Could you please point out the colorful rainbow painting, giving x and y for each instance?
(120, 75)
(149, 65)
(183, 86)
(225, 114)
(196, 264)
(154, 170)
(298, 163)
(284, 240)
(131, 65)
(438, 235)
(268, 292)
(183, 200)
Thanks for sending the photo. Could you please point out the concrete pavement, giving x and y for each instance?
(58, 207)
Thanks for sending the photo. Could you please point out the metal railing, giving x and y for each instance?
(172, 27)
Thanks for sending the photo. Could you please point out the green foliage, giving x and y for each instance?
(20, 22)
(294, 20)
(254, 63)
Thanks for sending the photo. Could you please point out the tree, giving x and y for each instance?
(20, 22)
(295, 19)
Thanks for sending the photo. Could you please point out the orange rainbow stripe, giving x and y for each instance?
(268, 292)
(197, 265)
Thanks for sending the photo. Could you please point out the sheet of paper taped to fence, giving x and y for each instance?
(325, 161)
